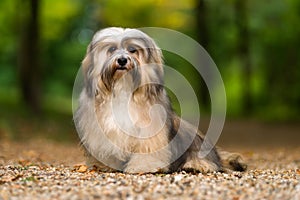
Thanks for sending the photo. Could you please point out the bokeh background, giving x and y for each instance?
(255, 44)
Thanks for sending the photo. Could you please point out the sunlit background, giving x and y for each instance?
(255, 44)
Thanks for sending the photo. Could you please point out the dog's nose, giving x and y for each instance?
(122, 61)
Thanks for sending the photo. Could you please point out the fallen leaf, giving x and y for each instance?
(82, 168)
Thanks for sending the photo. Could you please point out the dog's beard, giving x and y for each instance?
(112, 75)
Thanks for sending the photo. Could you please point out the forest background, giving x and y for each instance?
(255, 44)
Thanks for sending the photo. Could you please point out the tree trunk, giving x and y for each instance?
(244, 53)
(203, 38)
(29, 70)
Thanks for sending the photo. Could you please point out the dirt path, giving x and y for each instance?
(47, 170)
(44, 169)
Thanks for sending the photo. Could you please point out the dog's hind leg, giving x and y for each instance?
(232, 161)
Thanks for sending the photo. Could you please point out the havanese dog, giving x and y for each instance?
(125, 119)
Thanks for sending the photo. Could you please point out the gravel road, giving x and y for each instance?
(47, 170)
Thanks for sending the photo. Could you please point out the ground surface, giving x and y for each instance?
(43, 169)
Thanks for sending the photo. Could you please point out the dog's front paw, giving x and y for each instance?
(200, 165)
(139, 170)
(145, 164)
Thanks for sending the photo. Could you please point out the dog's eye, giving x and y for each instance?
(132, 49)
(112, 49)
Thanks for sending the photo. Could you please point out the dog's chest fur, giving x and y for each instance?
(132, 126)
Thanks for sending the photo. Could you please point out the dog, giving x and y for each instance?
(125, 119)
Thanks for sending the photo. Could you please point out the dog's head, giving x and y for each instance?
(114, 52)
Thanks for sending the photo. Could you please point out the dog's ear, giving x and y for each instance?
(87, 61)
(87, 68)
(154, 52)
(152, 76)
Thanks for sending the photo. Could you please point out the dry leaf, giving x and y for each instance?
(82, 168)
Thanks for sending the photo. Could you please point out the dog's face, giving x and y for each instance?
(115, 52)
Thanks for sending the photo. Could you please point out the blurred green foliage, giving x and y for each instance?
(66, 27)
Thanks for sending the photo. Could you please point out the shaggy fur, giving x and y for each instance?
(125, 119)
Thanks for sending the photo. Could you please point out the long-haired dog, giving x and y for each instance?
(125, 119)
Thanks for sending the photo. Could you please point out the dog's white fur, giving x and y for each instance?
(125, 119)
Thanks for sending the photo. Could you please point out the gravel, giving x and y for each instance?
(40, 172)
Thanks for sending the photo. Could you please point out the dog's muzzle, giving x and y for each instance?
(122, 65)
